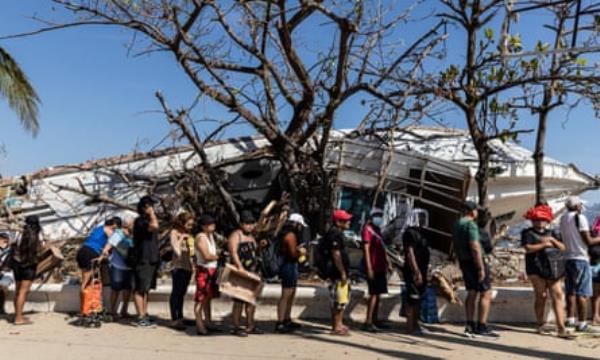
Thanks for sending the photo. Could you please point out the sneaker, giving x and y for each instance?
(292, 325)
(544, 329)
(587, 329)
(565, 334)
(469, 332)
(145, 323)
(239, 332)
(484, 332)
(282, 328)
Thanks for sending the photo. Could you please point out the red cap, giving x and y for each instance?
(541, 212)
(341, 215)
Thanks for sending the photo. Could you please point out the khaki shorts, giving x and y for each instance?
(336, 293)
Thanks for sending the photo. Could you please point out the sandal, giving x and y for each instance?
(343, 332)
(25, 322)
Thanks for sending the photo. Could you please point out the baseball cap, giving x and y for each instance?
(341, 215)
(247, 217)
(297, 218)
(573, 201)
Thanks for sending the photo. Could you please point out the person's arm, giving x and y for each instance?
(412, 262)
(531, 246)
(232, 245)
(339, 264)
(175, 240)
(476, 250)
(556, 243)
(589, 240)
(367, 238)
(202, 247)
(153, 224)
(106, 250)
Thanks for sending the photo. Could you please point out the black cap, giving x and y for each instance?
(206, 220)
(470, 206)
(4, 235)
(144, 202)
(247, 217)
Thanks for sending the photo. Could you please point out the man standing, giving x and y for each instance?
(475, 271)
(146, 252)
(575, 232)
(334, 251)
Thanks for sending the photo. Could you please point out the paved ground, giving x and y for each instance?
(52, 337)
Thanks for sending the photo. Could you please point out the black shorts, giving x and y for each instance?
(145, 277)
(84, 258)
(23, 273)
(471, 277)
(289, 275)
(414, 293)
(378, 285)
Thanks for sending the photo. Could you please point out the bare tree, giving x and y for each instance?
(283, 67)
(492, 75)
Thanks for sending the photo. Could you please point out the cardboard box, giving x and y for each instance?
(240, 285)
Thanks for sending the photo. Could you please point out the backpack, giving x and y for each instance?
(272, 258)
(323, 261)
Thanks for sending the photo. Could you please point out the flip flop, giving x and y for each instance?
(26, 322)
(340, 333)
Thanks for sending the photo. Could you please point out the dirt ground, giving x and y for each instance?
(52, 337)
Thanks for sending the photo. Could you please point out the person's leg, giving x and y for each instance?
(596, 303)
(485, 300)
(371, 309)
(338, 320)
(290, 305)
(114, 301)
(187, 276)
(21, 297)
(558, 304)
(250, 311)
(470, 306)
(207, 311)
(176, 285)
(198, 309)
(126, 295)
(410, 317)
(582, 304)
(236, 314)
(2, 300)
(540, 293)
(282, 305)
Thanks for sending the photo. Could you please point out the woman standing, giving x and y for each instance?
(537, 240)
(206, 272)
(182, 243)
(243, 247)
(24, 263)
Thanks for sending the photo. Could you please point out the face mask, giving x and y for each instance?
(377, 221)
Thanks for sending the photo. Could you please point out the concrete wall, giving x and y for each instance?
(510, 305)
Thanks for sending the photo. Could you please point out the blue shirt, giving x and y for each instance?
(97, 240)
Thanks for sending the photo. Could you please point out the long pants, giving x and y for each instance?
(181, 279)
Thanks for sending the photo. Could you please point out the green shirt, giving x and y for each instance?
(464, 233)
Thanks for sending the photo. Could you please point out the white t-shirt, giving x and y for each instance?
(577, 248)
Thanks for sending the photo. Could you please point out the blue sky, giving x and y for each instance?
(97, 101)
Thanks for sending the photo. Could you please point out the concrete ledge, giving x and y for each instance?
(510, 305)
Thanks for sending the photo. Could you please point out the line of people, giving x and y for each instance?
(131, 248)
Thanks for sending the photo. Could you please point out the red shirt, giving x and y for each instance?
(372, 238)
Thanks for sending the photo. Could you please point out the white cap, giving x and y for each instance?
(297, 218)
(573, 201)
(375, 211)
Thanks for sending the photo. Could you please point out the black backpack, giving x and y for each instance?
(272, 258)
(323, 261)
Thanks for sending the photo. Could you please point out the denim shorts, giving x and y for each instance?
(578, 278)
(595, 273)
(289, 275)
(121, 279)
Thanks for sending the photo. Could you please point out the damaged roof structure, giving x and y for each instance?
(428, 167)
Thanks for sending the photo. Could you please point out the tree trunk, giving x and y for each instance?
(538, 157)
(482, 175)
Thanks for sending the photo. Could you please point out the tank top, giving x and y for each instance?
(212, 250)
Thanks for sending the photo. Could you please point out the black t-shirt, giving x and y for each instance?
(594, 252)
(145, 242)
(531, 236)
(413, 237)
(334, 240)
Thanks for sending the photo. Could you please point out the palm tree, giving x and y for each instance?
(19, 93)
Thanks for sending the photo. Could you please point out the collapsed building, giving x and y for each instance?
(427, 167)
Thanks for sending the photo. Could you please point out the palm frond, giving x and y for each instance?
(19, 93)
